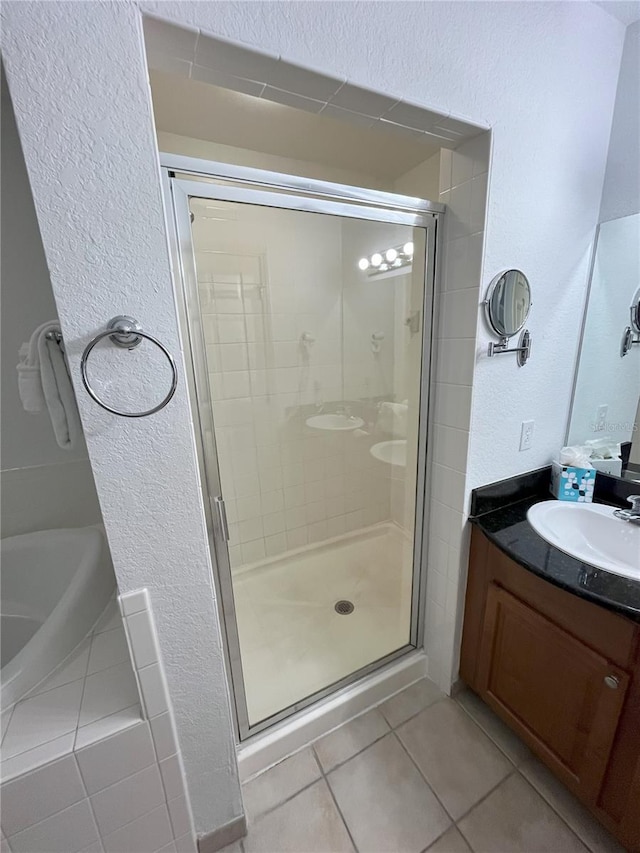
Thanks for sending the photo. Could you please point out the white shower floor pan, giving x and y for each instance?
(294, 643)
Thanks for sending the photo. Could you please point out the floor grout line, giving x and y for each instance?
(484, 797)
(520, 773)
(355, 754)
(466, 840)
(422, 776)
(340, 815)
(417, 713)
(333, 797)
(488, 734)
(555, 811)
(435, 840)
(324, 774)
(287, 799)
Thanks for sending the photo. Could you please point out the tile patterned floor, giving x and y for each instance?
(421, 772)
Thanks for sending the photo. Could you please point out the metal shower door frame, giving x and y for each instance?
(268, 189)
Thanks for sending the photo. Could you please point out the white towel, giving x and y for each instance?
(44, 383)
(29, 380)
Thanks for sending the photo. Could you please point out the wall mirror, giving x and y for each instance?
(635, 311)
(606, 397)
(507, 308)
(631, 334)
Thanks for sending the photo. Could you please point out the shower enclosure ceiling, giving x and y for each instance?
(308, 320)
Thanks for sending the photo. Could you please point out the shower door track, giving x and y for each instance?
(255, 186)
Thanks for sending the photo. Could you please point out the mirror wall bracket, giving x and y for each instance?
(631, 334)
(628, 340)
(524, 350)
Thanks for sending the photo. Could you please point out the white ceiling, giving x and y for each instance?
(200, 110)
(627, 11)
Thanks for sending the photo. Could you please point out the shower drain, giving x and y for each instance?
(344, 607)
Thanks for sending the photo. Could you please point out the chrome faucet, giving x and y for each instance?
(631, 515)
(343, 410)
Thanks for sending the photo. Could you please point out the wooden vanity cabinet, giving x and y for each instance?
(564, 674)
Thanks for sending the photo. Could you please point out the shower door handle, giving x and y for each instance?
(222, 516)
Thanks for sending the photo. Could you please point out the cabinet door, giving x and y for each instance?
(562, 697)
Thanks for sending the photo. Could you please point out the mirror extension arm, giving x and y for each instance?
(524, 350)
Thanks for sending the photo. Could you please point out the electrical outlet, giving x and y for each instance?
(526, 435)
(601, 417)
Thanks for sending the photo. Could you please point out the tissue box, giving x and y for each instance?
(608, 466)
(572, 484)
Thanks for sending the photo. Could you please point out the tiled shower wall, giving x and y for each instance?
(264, 283)
(464, 175)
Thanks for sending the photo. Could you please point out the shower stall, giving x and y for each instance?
(306, 312)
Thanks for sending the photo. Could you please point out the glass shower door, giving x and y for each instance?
(307, 331)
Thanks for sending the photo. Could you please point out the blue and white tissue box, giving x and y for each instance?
(569, 483)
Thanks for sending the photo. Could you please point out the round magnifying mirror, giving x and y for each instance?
(508, 302)
(635, 312)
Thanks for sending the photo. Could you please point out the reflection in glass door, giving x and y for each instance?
(307, 331)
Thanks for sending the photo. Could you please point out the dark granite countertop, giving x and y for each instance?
(507, 527)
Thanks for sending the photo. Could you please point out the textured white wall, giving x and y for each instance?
(542, 75)
(87, 131)
(621, 192)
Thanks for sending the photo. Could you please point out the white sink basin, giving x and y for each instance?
(591, 533)
(391, 452)
(340, 422)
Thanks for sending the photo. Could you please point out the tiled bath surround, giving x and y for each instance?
(118, 793)
(92, 695)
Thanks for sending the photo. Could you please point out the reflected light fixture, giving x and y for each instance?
(393, 258)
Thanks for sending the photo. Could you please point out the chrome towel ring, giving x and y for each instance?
(127, 333)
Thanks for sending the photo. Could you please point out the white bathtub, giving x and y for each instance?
(55, 585)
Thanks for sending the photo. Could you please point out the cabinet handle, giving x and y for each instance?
(612, 681)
